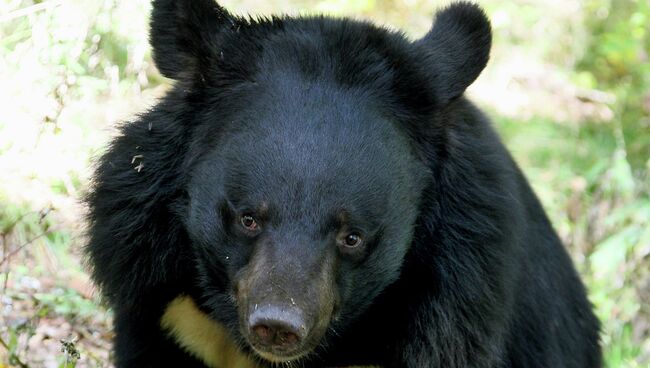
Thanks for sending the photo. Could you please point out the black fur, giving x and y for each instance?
(462, 267)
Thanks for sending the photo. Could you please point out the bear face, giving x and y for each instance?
(303, 212)
(304, 209)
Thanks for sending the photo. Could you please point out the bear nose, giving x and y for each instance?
(277, 328)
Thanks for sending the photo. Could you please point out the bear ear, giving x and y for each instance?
(183, 35)
(456, 49)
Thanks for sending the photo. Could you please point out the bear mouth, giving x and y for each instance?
(279, 356)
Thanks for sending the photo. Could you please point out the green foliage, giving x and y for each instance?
(595, 203)
(618, 60)
(593, 175)
(64, 302)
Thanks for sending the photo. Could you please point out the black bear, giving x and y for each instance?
(317, 192)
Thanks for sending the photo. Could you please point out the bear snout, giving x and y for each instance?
(277, 328)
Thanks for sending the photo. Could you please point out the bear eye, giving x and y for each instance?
(352, 240)
(249, 223)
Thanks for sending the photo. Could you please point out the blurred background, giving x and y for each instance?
(568, 87)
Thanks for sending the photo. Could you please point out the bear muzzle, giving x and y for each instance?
(285, 302)
(278, 330)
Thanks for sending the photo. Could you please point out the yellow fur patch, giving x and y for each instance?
(202, 337)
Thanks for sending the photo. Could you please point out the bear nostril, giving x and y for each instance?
(271, 333)
(263, 333)
(286, 338)
(276, 328)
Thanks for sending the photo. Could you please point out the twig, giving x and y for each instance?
(13, 356)
(5, 246)
(29, 10)
(42, 213)
(13, 224)
(30, 241)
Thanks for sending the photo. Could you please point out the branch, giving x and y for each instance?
(30, 241)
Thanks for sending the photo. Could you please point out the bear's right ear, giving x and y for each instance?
(456, 49)
(184, 35)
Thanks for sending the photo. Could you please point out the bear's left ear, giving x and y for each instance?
(184, 35)
(456, 49)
